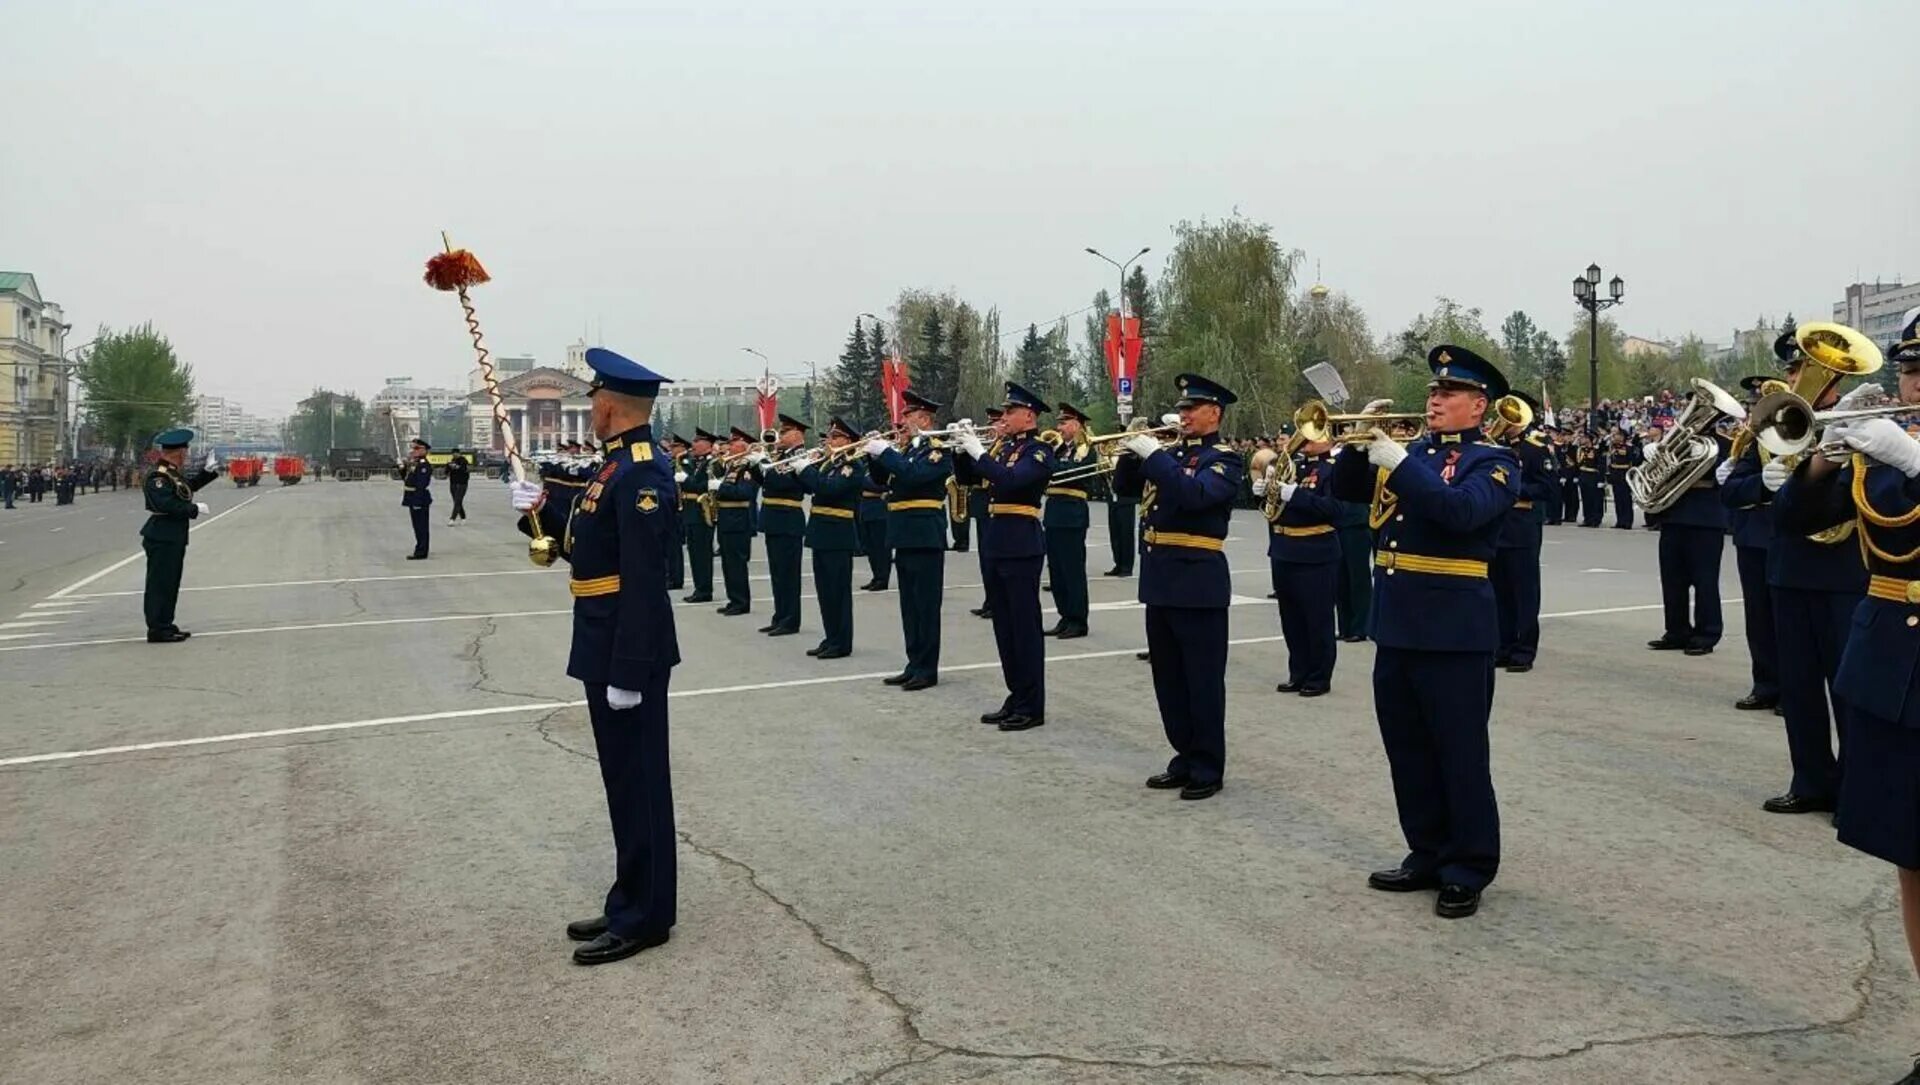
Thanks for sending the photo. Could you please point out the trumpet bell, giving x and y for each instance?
(1838, 348)
(1510, 415)
(1310, 422)
(1782, 422)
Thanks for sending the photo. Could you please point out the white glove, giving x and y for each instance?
(1171, 418)
(1376, 406)
(525, 496)
(1142, 445)
(622, 699)
(1721, 472)
(1883, 439)
(970, 444)
(204, 508)
(1260, 487)
(1861, 397)
(212, 464)
(876, 446)
(1383, 451)
(1647, 449)
(1287, 490)
(713, 485)
(680, 476)
(757, 456)
(1775, 475)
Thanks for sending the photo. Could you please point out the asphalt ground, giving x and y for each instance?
(336, 835)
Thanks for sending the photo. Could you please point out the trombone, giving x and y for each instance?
(1108, 457)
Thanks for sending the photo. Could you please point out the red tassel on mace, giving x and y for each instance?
(455, 269)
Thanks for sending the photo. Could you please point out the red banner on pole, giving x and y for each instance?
(893, 381)
(767, 400)
(1122, 348)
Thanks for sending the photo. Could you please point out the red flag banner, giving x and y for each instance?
(893, 381)
(767, 401)
(1122, 347)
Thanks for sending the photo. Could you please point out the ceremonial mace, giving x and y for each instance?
(455, 270)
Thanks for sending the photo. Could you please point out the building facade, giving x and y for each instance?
(33, 372)
(221, 421)
(1874, 309)
(547, 407)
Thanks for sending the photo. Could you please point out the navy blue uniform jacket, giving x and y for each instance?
(1016, 470)
(1306, 531)
(916, 485)
(1186, 497)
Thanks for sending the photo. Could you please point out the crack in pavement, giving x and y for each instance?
(924, 1049)
(353, 596)
(474, 652)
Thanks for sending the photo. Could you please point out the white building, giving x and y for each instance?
(221, 421)
(1874, 309)
(401, 393)
(504, 367)
(33, 385)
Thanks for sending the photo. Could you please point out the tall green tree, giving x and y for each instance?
(958, 365)
(1142, 303)
(1518, 334)
(852, 386)
(1033, 364)
(326, 420)
(1448, 322)
(1226, 296)
(135, 387)
(1332, 329)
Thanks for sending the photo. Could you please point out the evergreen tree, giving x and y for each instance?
(1142, 303)
(1033, 364)
(935, 369)
(869, 402)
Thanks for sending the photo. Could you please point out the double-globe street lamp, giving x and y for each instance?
(1585, 292)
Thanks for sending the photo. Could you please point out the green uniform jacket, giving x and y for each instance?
(836, 499)
(1067, 503)
(916, 485)
(782, 498)
(170, 502)
(739, 511)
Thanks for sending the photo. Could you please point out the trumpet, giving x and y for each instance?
(1785, 422)
(767, 445)
(1312, 423)
(1108, 456)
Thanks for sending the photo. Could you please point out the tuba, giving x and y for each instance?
(1785, 422)
(1510, 415)
(1688, 451)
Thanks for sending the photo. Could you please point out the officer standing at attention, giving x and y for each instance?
(1590, 458)
(1516, 557)
(734, 489)
(1187, 491)
(418, 496)
(1750, 508)
(691, 476)
(1438, 504)
(1303, 546)
(873, 534)
(459, 473)
(1065, 524)
(616, 533)
(1011, 550)
(1693, 531)
(783, 520)
(915, 482)
(1623, 456)
(169, 491)
(677, 558)
(980, 509)
(832, 535)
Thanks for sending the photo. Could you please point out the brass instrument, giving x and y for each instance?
(1744, 435)
(1687, 452)
(1108, 454)
(1785, 422)
(1511, 415)
(956, 501)
(1313, 420)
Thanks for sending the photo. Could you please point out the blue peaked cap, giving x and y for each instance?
(616, 373)
(174, 438)
(1195, 389)
(1460, 366)
(1020, 397)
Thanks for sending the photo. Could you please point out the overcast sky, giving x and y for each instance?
(264, 183)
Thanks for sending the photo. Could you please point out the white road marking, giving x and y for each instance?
(52, 530)
(30, 624)
(62, 605)
(1603, 570)
(536, 706)
(131, 558)
(332, 581)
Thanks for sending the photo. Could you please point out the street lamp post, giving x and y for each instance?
(1585, 292)
(1124, 400)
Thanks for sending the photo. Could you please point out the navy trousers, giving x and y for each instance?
(1433, 709)
(166, 562)
(962, 533)
(1516, 595)
(783, 569)
(1123, 520)
(419, 515)
(1761, 643)
(873, 539)
(632, 749)
(1690, 562)
(676, 568)
(1188, 647)
(1591, 501)
(1067, 572)
(1812, 629)
(1306, 620)
(735, 552)
(833, 588)
(922, 580)
(1622, 503)
(1569, 501)
(1013, 591)
(1353, 584)
(700, 557)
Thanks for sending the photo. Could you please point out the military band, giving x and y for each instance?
(914, 479)
(736, 493)
(1750, 514)
(783, 523)
(835, 482)
(1065, 522)
(1516, 560)
(698, 514)
(1303, 549)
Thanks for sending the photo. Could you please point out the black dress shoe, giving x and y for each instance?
(996, 717)
(1519, 668)
(1196, 792)
(1046, 587)
(1502, 662)
(1073, 631)
(768, 628)
(165, 636)
(586, 930)
(1912, 1078)
(816, 650)
(416, 557)
(1796, 804)
(873, 585)
(916, 684)
(610, 947)
(1288, 686)
(1055, 631)
(1753, 702)
(1018, 722)
(834, 653)
(985, 612)
(1456, 902)
(698, 597)
(1118, 572)
(783, 631)
(1167, 781)
(978, 612)
(898, 680)
(1143, 656)
(1697, 650)
(1402, 880)
(1315, 691)
(1665, 645)
(1353, 638)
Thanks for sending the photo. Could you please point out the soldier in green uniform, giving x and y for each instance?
(835, 483)
(980, 508)
(1065, 522)
(169, 491)
(736, 494)
(783, 523)
(690, 472)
